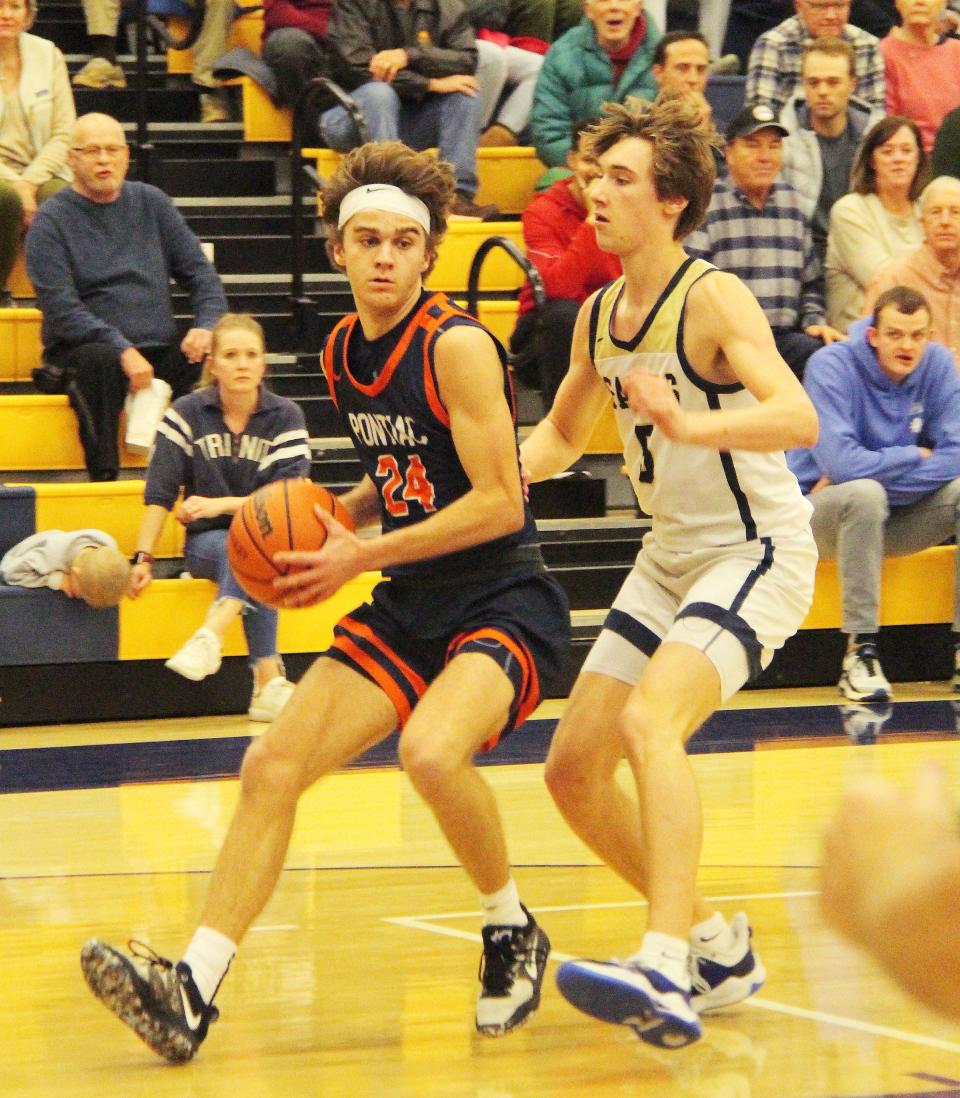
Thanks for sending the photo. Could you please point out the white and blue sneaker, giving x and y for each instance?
(631, 994)
(722, 979)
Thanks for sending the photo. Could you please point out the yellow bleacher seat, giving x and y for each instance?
(262, 121)
(156, 624)
(914, 590)
(40, 432)
(245, 31)
(19, 283)
(116, 507)
(500, 317)
(507, 176)
(458, 248)
(19, 343)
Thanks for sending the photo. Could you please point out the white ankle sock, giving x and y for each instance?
(713, 935)
(502, 908)
(668, 955)
(209, 955)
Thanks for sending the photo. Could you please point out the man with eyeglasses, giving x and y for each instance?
(101, 255)
(774, 72)
(933, 269)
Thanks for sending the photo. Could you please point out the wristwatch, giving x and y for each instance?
(142, 557)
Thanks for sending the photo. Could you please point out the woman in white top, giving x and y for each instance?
(878, 220)
(36, 115)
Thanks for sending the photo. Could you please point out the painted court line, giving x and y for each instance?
(426, 924)
(616, 904)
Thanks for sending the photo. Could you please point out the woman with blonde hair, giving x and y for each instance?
(36, 115)
(218, 445)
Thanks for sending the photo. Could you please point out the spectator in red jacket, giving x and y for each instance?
(293, 35)
(562, 245)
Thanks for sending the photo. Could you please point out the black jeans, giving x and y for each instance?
(541, 345)
(99, 387)
(795, 348)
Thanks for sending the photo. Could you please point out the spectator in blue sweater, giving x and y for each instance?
(217, 446)
(884, 476)
(101, 254)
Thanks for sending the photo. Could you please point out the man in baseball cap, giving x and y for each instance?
(751, 119)
(756, 228)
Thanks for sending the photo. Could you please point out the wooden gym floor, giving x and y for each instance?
(359, 978)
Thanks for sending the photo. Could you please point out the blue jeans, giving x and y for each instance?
(451, 122)
(206, 558)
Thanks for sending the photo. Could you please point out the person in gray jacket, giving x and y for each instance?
(82, 564)
(826, 123)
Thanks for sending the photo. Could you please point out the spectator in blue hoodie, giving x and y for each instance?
(884, 475)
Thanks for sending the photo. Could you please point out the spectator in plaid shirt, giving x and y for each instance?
(776, 61)
(756, 229)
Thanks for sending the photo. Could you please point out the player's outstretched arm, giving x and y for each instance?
(560, 438)
(725, 326)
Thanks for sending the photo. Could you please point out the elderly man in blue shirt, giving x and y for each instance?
(756, 228)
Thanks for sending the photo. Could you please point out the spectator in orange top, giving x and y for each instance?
(934, 269)
(922, 70)
(562, 244)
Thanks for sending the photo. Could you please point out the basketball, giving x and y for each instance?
(277, 517)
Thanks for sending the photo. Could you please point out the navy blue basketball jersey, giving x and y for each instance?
(401, 429)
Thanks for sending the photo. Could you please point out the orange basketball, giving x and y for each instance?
(277, 517)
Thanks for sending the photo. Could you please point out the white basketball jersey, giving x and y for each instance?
(695, 495)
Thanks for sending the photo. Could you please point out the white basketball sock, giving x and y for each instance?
(668, 955)
(209, 955)
(713, 935)
(502, 908)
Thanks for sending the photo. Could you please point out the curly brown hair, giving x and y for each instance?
(419, 174)
(683, 160)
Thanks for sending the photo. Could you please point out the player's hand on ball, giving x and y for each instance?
(319, 573)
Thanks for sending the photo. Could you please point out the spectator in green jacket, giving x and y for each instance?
(608, 57)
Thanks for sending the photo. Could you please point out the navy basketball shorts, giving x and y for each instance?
(412, 629)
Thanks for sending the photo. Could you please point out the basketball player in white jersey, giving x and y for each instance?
(705, 407)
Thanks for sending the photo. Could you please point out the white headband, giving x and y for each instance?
(383, 196)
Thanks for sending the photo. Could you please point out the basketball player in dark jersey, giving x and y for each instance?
(454, 649)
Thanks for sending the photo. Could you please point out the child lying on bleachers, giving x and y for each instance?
(83, 564)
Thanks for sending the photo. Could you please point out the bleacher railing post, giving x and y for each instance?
(303, 307)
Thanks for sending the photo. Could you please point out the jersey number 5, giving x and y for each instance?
(398, 489)
(645, 472)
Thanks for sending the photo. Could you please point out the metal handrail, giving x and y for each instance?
(146, 151)
(321, 86)
(473, 278)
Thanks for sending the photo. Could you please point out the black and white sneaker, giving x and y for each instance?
(157, 999)
(511, 973)
(863, 679)
(722, 979)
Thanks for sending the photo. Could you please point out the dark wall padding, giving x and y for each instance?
(18, 515)
(44, 626)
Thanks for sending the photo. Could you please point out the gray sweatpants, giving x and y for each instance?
(854, 524)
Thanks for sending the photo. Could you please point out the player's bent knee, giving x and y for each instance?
(267, 774)
(426, 765)
(571, 776)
